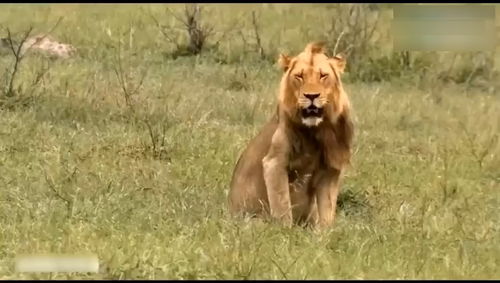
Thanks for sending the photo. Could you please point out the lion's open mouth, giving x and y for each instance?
(312, 111)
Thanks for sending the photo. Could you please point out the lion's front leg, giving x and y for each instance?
(327, 185)
(276, 179)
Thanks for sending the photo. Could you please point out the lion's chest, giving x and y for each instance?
(304, 160)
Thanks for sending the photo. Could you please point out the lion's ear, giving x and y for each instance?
(284, 62)
(339, 62)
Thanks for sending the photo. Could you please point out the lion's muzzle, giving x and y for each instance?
(312, 111)
(311, 106)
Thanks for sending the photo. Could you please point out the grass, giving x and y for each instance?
(144, 186)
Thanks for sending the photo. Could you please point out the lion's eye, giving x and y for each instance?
(299, 76)
(322, 76)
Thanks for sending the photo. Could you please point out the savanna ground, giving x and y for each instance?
(142, 180)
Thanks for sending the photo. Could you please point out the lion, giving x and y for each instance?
(292, 169)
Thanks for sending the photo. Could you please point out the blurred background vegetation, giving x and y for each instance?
(247, 33)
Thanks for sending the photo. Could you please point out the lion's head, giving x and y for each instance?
(311, 90)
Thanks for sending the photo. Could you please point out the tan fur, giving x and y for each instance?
(48, 45)
(292, 169)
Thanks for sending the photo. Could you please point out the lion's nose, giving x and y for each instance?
(311, 96)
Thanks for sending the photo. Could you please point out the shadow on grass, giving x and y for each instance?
(352, 203)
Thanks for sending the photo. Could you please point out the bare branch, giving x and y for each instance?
(198, 33)
(118, 69)
(162, 30)
(52, 186)
(141, 81)
(44, 36)
(337, 43)
(152, 136)
(18, 58)
(176, 17)
(257, 36)
(19, 52)
(128, 88)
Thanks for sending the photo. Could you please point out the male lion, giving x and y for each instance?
(292, 168)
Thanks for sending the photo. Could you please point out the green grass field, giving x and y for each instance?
(144, 185)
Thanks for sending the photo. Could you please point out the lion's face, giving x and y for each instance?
(312, 84)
